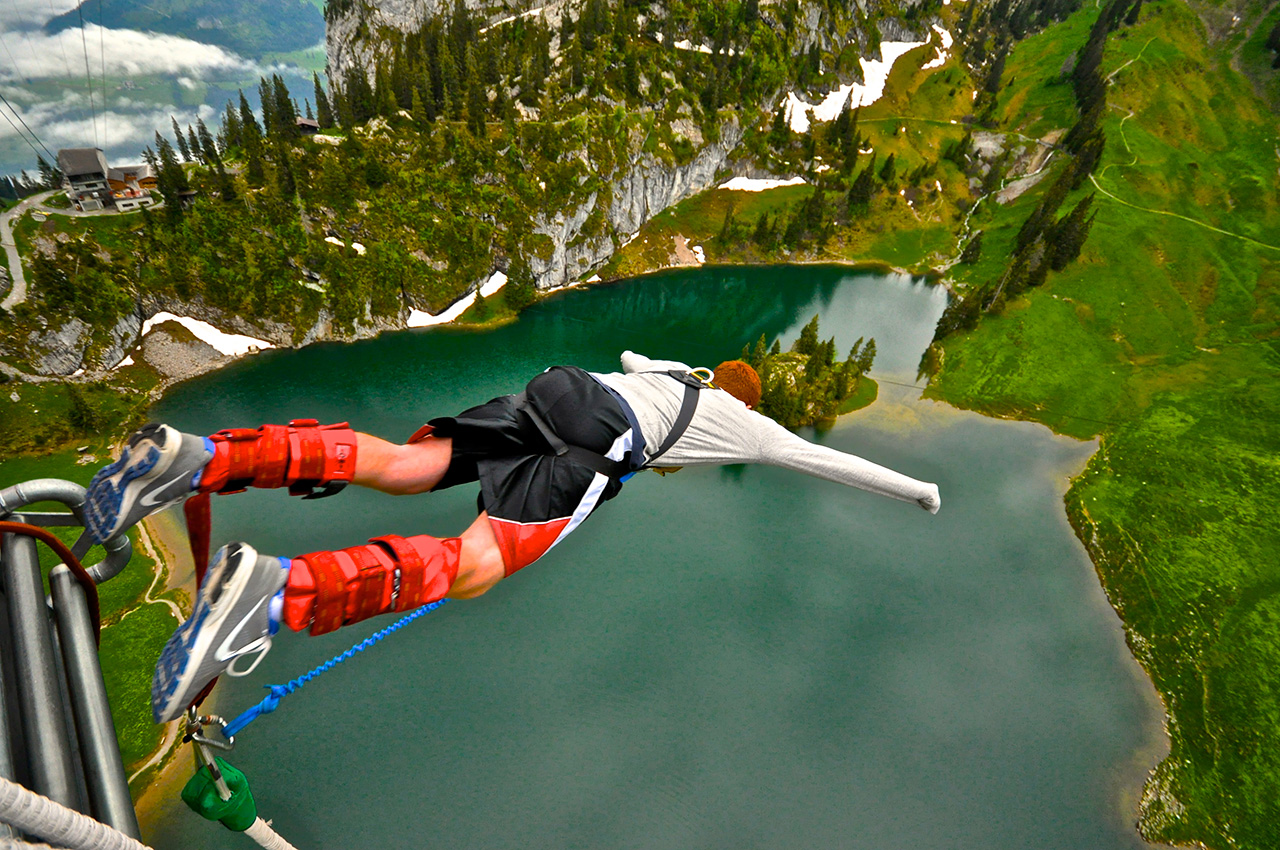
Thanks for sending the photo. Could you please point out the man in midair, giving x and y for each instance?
(545, 459)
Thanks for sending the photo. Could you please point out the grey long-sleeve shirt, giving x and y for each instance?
(724, 430)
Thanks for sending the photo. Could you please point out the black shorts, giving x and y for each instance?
(534, 498)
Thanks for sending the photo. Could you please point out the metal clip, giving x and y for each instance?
(697, 373)
(195, 724)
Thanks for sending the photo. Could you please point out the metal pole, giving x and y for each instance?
(108, 786)
(6, 752)
(119, 549)
(34, 669)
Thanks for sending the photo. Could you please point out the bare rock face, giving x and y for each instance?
(641, 191)
(348, 34)
(123, 336)
(59, 350)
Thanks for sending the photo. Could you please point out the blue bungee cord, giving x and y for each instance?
(272, 700)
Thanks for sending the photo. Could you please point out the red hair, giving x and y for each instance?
(739, 380)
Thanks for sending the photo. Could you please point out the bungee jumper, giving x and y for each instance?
(545, 459)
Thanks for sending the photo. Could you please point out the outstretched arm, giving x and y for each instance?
(632, 362)
(779, 447)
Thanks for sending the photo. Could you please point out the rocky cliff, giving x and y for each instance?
(640, 191)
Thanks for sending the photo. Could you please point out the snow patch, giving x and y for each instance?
(686, 44)
(358, 248)
(595, 278)
(941, 58)
(528, 14)
(699, 254)
(874, 71)
(232, 345)
(423, 319)
(756, 184)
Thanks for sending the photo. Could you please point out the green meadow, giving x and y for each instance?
(1163, 341)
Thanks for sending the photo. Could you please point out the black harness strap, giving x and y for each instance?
(616, 469)
(688, 405)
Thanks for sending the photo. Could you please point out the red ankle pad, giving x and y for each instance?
(320, 455)
(327, 590)
(303, 455)
(428, 567)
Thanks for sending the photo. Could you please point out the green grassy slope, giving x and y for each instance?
(1163, 340)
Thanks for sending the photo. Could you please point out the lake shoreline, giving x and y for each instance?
(1129, 783)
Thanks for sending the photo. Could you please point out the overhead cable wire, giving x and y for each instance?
(18, 115)
(62, 42)
(88, 77)
(19, 132)
(12, 60)
(102, 59)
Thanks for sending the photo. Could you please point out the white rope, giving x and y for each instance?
(37, 815)
(262, 833)
(15, 844)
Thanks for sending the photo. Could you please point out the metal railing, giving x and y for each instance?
(56, 733)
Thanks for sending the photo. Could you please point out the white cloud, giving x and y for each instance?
(122, 134)
(125, 53)
(31, 14)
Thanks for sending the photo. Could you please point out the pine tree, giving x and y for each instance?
(266, 101)
(996, 71)
(863, 189)
(182, 142)
(384, 93)
(868, 357)
(359, 96)
(171, 180)
(840, 126)
(428, 95)
(477, 102)
(193, 145)
(1069, 235)
(762, 235)
(208, 150)
(50, 177)
(254, 174)
(448, 82)
(324, 113)
(521, 289)
(807, 343)
(285, 110)
(889, 171)
(284, 173)
(418, 110)
(231, 126)
(780, 134)
(250, 132)
(577, 71)
(972, 249)
(311, 116)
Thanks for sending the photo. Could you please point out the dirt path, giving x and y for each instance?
(18, 293)
(164, 540)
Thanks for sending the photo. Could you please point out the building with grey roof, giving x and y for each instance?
(84, 175)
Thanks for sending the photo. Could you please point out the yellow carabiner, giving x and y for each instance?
(711, 376)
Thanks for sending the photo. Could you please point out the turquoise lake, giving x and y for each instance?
(737, 657)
